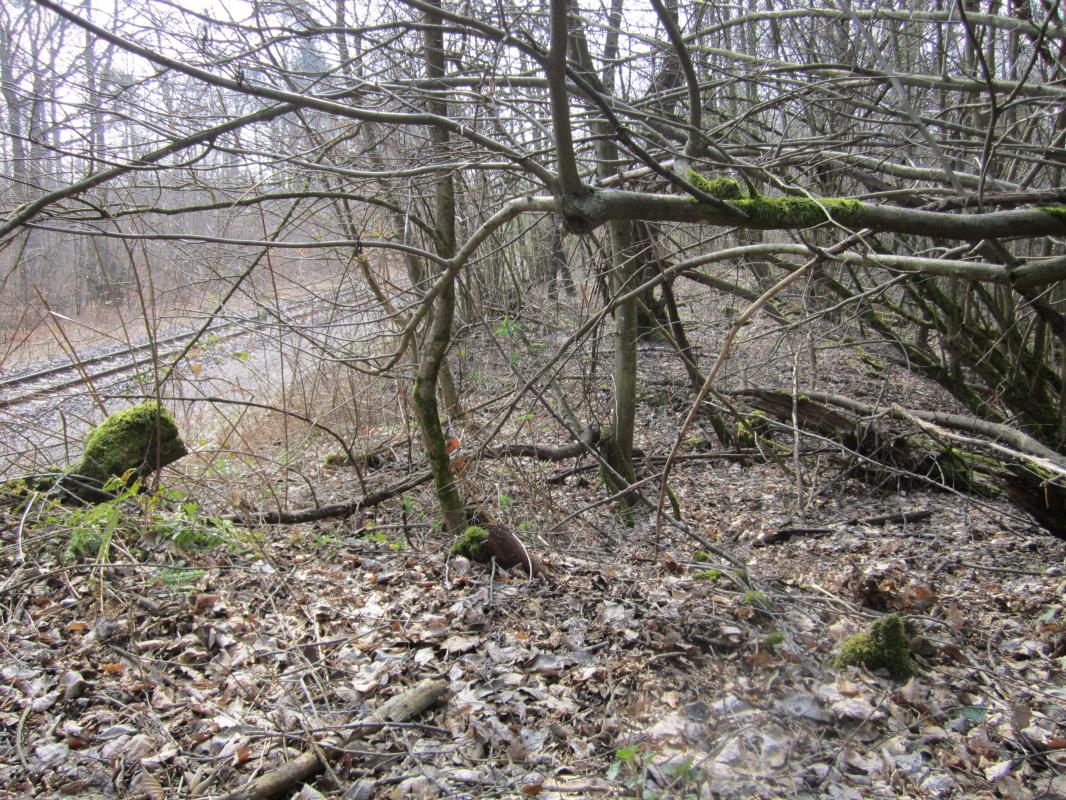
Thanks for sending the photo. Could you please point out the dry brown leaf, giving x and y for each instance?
(151, 786)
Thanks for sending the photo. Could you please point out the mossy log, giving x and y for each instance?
(876, 443)
(499, 543)
(129, 444)
(370, 459)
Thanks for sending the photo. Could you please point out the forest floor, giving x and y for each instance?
(150, 650)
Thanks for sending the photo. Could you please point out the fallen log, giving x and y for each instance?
(353, 506)
(885, 454)
(1030, 473)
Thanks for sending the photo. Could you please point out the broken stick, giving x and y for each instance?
(420, 697)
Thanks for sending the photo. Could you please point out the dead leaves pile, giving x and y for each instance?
(630, 676)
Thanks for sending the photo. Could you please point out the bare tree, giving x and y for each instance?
(908, 162)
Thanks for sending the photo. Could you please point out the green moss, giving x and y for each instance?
(722, 188)
(981, 460)
(135, 440)
(755, 599)
(752, 426)
(712, 575)
(1058, 212)
(884, 647)
(470, 544)
(799, 212)
(701, 556)
(675, 504)
(773, 640)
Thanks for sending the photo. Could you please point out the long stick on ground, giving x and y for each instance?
(421, 697)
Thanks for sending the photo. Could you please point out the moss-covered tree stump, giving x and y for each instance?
(884, 647)
(129, 444)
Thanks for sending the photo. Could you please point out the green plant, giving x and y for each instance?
(701, 556)
(180, 579)
(712, 575)
(685, 774)
(325, 541)
(630, 766)
(92, 528)
(191, 533)
(507, 327)
(375, 536)
(91, 532)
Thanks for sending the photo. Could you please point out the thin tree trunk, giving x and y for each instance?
(438, 337)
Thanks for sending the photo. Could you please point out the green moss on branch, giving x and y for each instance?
(1058, 212)
(722, 188)
(799, 212)
(790, 212)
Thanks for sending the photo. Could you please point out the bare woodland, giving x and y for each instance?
(617, 251)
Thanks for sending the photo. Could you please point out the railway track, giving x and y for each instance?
(80, 371)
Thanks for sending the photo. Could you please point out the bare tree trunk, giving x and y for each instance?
(438, 338)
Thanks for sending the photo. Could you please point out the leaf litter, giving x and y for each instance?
(621, 673)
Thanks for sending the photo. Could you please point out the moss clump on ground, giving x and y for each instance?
(773, 640)
(712, 575)
(884, 647)
(470, 544)
(753, 425)
(336, 460)
(755, 599)
(701, 555)
(136, 440)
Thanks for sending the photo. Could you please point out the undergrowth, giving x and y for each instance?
(135, 521)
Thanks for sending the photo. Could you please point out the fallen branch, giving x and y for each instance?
(784, 534)
(544, 453)
(740, 455)
(1018, 440)
(287, 777)
(334, 510)
(903, 517)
